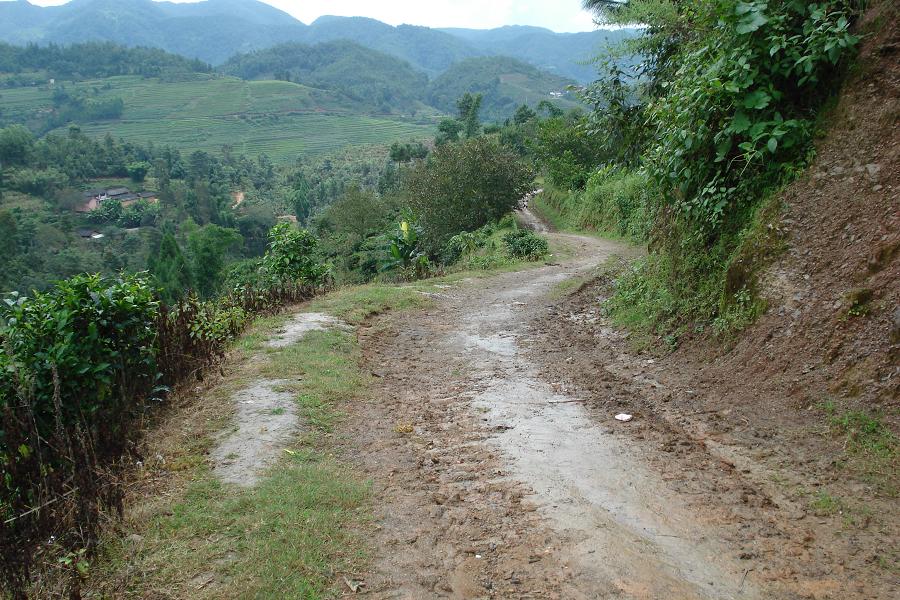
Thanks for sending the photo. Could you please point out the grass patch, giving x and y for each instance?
(824, 504)
(871, 446)
(694, 286)
(548, 213)
(864, 433)
(293, 534)
(356, 304)
(285, 538)
(568, 287)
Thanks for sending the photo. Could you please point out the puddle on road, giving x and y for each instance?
(265, 422)
(266, 417)
(628, 529)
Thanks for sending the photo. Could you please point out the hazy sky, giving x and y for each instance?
(559, 15)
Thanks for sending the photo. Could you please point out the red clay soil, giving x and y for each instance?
(814, 515)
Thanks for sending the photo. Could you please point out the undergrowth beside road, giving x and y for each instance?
(287, 537)
(871, 448)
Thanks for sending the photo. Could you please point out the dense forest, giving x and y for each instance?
(504, 83)
(385, 82)
(27, 65)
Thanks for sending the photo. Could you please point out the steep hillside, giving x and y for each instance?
(505, 83)
(283, 119)
(831, 335)
(565, 54)
(805, 403)
(367, 76)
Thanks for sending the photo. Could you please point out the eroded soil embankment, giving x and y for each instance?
(492, 481)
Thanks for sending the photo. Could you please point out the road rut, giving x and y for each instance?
(493, 483)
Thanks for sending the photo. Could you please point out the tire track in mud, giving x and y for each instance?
(491, 483)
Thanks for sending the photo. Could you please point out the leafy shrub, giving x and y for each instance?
(525, 244)
(77, 363)
(41, 182)
(617, 201)
(730, 91)
(738, 107)
(405, 252)
(567, 150)
(135, 215)
(109, 211)
(464, 186)
(465, 244)
(291, 255)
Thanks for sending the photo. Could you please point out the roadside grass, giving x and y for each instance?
(357, 303)
(547, 213)
(293, 534)
(871, 447)
(568, 287)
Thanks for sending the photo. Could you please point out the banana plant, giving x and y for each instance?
(404, 249)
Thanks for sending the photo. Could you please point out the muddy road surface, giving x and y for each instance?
(493, 483)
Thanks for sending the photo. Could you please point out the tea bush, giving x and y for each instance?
(78, 364)
(74, 361)
(291, 255)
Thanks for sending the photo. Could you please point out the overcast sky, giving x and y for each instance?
(559, 15)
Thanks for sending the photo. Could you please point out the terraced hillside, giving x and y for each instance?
(285, 120)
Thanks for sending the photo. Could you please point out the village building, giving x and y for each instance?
(92, 199)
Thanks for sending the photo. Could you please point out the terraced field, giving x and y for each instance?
(284, 120)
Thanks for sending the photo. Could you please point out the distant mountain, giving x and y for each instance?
(211, 31)
(430, 50)
(362, 74)
(565, 54)
(505, 83)
(215, 30)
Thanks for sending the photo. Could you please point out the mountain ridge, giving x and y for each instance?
(216, 30)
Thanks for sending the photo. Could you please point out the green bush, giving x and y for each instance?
(40, 182)
(730, 90)
(525, 244)
(291, 255)
(109, 211)
(77, 363)
(464, 186)
(616, 201)
(738, 108)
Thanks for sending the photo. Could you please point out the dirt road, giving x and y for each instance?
(491, 482)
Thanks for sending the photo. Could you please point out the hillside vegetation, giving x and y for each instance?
(282, 119)
(385, 83)
(569, 55)
(771, 285)
(504, 83)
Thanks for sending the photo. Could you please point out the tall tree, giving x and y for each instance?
(209, 246)
(464, 186)
(170, 270)
(469, 107)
